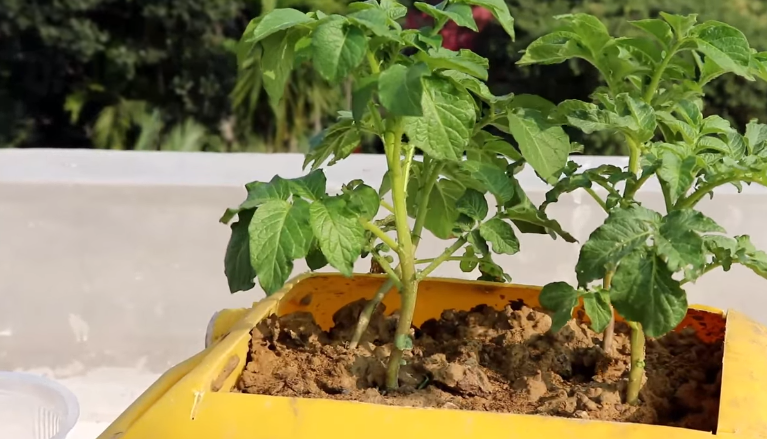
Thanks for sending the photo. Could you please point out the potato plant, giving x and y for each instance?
(652, 96)
(414, 94)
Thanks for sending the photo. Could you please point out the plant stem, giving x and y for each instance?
(690, 201)
(637, 363)
(367, 312)
(442, 258)
(408, 292)
(708, 268)
(634, 157)
(452, 258)
(596, 198)
(393, 275)
(373, 63)
(630, 192)
(609, 334)
(407, 309)
(380, 234)
(387, 206)
(655, 81)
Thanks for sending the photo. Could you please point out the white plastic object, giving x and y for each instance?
(33, 407)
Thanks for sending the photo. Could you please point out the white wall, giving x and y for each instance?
(111, 263)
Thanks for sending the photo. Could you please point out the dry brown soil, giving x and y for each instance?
(483, 359)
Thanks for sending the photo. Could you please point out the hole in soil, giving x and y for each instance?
(516, 305)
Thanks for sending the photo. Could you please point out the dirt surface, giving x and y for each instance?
(503, 361)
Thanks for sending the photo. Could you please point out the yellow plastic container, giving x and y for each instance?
(194, 399)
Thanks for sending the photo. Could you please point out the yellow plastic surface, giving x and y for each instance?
(194, 399)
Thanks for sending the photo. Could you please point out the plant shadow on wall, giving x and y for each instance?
(412, 93)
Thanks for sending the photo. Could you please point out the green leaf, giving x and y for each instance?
(394, 9)
(554, 48)
(658, 29)
(469, 263)
(363, 92)
(641, 113)
(591, 32)
(258, 194)
(728, 251)
(338, 140)
(276, 21)
(400, 89)
(442, 211)
(677, 173)
(597, 307)
(279, 233)
(337, 48)
(756, 134)
(277, 63)
(339, 232)
(473, 204)
(501, 235)
(493, 178)
(529, 215)
(464, 61)
(623, 231)
(315, 259)
(471, 84)
(461, 14)
(644, 291)
(311, 186)
(545, 146)
(478, 243)
(385, 186)
(492, 272)
(680, 23)
(448, 118)
(588, 117)
(678, 240)
(560, 298)
(724, 45)
(500, 11)
(374, 19)
(364, 200)
(239, 272)
(748, 256)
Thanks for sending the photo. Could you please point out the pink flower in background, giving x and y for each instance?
(453, 36)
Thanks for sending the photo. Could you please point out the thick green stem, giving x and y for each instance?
(609, 333)
(635, 154)
(637, 363)
(656, 77)
(408, 292)
(402, 335)
(364, 319)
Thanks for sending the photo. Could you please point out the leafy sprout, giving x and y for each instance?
(413, 94)
(652, 98)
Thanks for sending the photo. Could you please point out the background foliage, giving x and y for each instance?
(143, 74)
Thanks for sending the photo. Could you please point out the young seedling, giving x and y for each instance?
(654, 84)
(413, 94)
